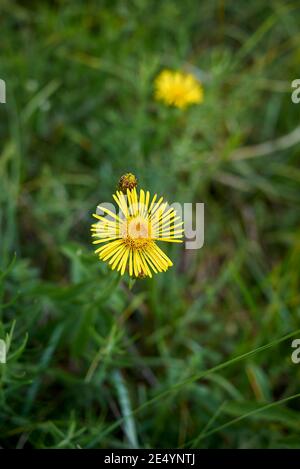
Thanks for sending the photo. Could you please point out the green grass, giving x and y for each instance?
(199, 356)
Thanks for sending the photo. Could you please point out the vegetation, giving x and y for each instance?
(199, 356)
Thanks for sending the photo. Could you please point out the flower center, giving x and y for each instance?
(137, 232)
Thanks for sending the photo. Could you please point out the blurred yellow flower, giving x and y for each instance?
(178, 89)
(129, 239)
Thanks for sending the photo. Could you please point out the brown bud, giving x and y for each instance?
(127, 181)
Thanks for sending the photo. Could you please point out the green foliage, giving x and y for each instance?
(198, 356)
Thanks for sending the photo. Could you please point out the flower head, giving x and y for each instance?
(129, 239)
(178, 89)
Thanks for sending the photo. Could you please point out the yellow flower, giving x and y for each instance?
(178, 89)
(129, 240)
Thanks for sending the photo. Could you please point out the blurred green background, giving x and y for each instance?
(91, 362)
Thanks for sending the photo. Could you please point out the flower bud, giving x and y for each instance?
(127, 181)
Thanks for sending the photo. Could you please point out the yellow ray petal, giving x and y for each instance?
(104, 219)
(123, 263)
(108, 212)
(136, 263)
(110, 246)
(154, 261)
(117, 258)
(161, 254)
(104, 240)
(121, 203)
(130, 263)
(145, 265)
